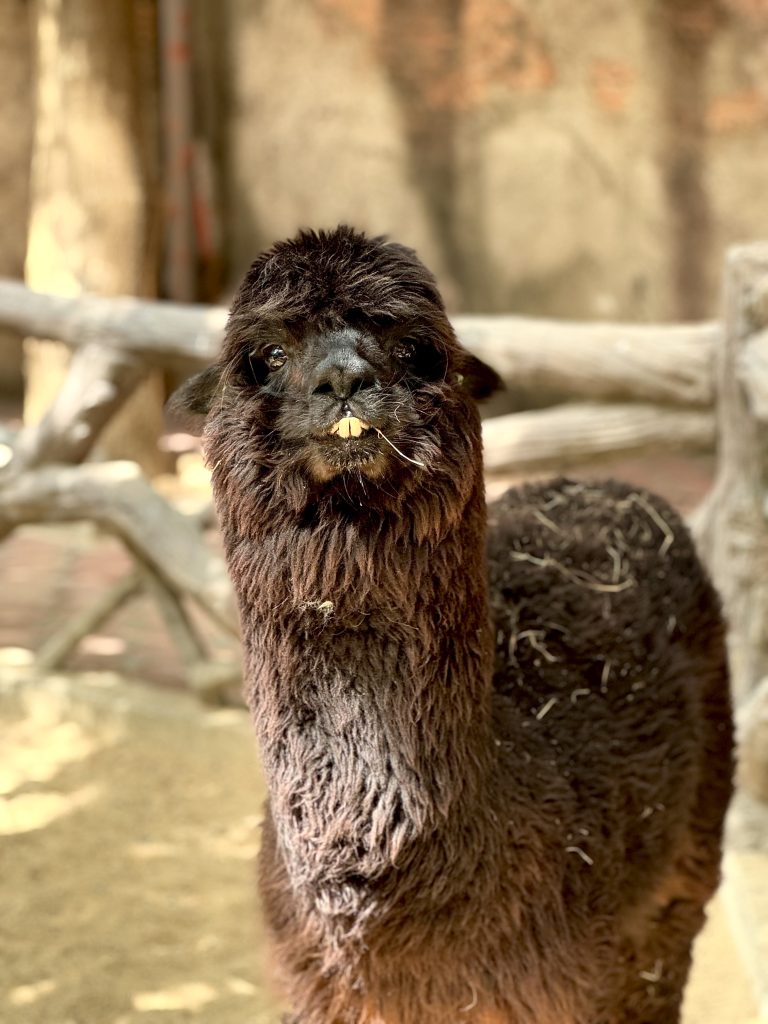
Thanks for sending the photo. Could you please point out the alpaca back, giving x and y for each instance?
(611, 681)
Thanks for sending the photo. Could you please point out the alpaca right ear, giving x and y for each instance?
(478, 378)
(189, 405)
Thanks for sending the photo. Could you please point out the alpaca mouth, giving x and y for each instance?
(349, 426)
(351, 444)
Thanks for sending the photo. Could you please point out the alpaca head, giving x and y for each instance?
(340, 380)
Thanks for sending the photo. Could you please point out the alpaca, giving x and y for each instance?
(498, 759)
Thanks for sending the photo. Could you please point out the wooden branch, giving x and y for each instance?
(212, 679)
(117, 497)
(207, 678)
(647, 363)
(568, 434)
(60, 645)
(97, 383)
(732, 529)
(179, 625)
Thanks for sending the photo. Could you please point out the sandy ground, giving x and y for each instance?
(126, 860)
(128, 828)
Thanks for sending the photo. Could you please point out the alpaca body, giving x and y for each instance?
(498, 760)
(477, 909)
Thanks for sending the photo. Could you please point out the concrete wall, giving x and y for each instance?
(580, 160)
(316, 130)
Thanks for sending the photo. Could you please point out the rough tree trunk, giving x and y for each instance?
(90, 224)
(15, 153)
(734, 528)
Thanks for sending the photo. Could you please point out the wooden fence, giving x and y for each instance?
(627, 389)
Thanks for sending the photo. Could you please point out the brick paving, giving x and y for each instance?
(51, 573)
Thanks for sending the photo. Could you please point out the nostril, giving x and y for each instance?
(343, 385)
(361, 384)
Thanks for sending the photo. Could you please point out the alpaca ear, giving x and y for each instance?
(189, 405)
(478, 378)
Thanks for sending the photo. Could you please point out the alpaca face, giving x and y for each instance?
(350, 396)
(339, 369)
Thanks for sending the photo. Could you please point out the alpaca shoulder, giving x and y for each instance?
(604, 556)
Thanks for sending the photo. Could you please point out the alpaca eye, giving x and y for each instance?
(275, 356)
(405, 350)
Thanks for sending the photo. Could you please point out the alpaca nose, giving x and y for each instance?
(343, 374)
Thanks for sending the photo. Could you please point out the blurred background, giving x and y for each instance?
(587, 162)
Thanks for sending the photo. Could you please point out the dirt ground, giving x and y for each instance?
(128, 828)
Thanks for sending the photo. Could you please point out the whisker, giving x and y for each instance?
(401, 454)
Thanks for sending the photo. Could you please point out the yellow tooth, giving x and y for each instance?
(349, 426)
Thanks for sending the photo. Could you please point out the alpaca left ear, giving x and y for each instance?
(478, 378)
(189, 405)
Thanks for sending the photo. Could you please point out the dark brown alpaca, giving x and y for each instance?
(488, 804)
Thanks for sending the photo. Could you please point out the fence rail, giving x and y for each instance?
(665, 363)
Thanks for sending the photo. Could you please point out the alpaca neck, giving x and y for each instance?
(369, 680)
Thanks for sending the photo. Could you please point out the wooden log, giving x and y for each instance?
(162, 332)
(666, 363)
(180, 626)
(214, 681)
(581, 432)
(732, 528)
(647, 363)
(208, 679)
(117, 497)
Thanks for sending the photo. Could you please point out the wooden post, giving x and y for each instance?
(734, 528)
